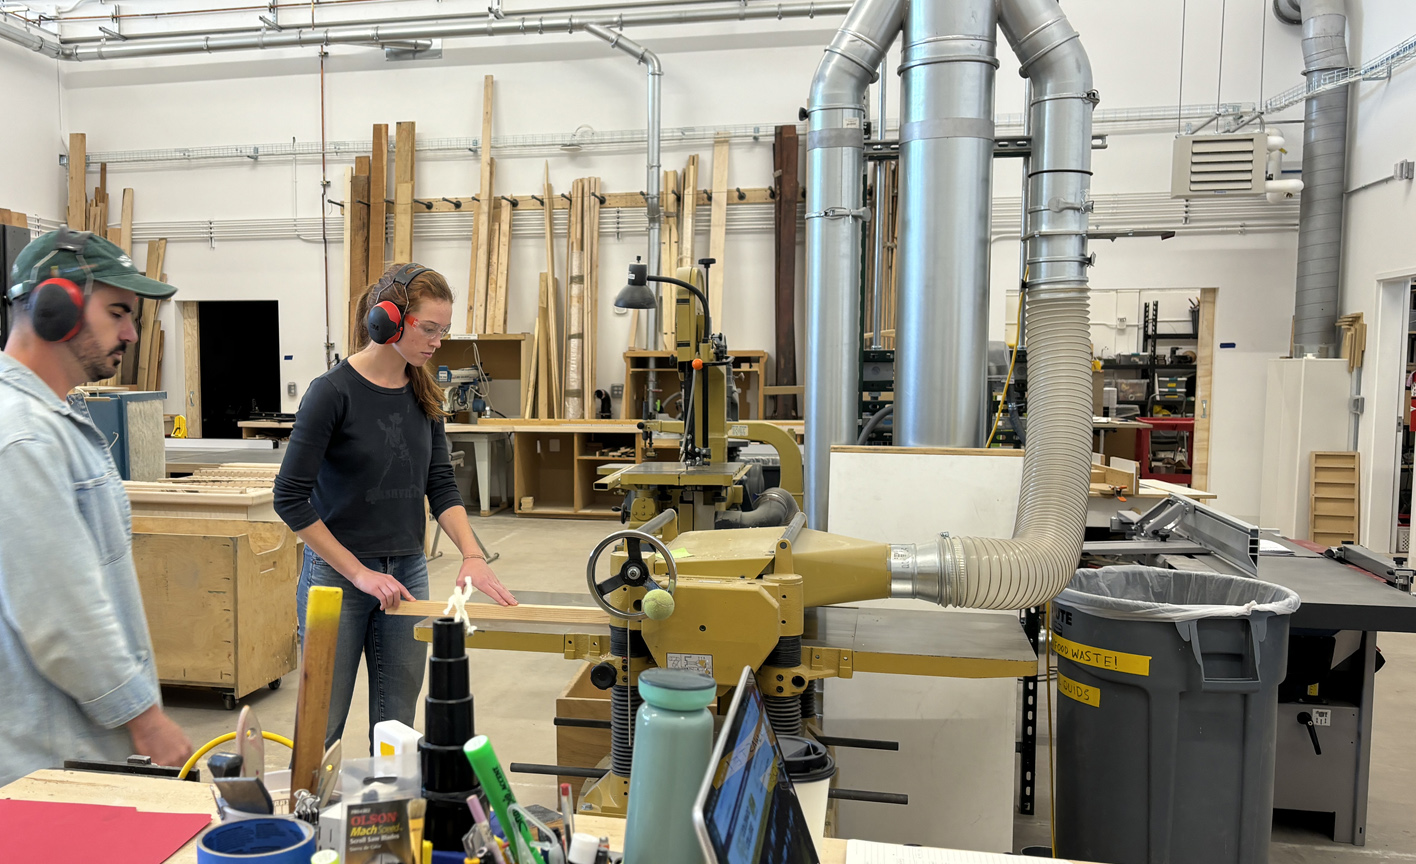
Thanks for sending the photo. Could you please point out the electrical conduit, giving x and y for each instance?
(653, 177)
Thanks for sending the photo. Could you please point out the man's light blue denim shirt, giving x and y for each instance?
(75, 655)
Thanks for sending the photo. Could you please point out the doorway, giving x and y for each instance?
(240, 357)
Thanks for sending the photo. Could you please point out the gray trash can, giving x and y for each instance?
(1168, 685)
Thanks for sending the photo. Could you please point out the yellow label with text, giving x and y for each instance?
(1084, 693)
(1116, 661)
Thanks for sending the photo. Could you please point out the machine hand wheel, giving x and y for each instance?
(635, 572)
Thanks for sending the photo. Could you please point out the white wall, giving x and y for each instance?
(32, 135)
(724, 74)
(552, 85)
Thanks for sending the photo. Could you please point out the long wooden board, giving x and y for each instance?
(378, 202)
(1204, 382)
(668, 259)
(525, 613)
(785, 157)
(688, 217)
(405, 149)
(125, 225)
(718, 228)
(553, 329)
(493, 262)
(147, 336)
(191, 366)
(496, 322)
(478, 301)
(541, 349)
(78, 196)
(592, 296)
(356, 244)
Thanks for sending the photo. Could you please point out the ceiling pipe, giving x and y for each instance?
(653, 174)
(403, 32)
(23, 37)
(270, 24)
(1322, 203)
(835, 162)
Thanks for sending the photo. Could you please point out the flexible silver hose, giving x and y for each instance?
(1038, 561)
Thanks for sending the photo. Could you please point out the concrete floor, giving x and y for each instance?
(516, 692)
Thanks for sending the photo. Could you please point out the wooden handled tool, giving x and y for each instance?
(316, 681)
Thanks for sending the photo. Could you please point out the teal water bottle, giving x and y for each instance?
(673, 741)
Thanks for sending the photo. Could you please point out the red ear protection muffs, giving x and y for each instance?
(385, 319)
(56, 305)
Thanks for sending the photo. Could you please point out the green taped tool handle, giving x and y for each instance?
(489, 773)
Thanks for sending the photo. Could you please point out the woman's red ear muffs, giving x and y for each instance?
(385, 323)
(57, 309)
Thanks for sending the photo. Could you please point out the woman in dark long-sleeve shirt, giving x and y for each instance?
(367, 448)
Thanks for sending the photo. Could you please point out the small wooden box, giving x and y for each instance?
(220, 601)
(576, 746)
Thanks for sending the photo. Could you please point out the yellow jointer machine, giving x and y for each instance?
(762, 596)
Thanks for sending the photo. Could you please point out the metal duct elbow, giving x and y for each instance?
(1320, 212)
(835, 159)
(775, 508)
(1038, 561)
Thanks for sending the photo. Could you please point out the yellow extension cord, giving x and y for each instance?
(1003, 400)
(222, 739)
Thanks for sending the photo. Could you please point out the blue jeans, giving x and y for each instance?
(395, 660)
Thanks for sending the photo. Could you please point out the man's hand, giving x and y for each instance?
(389, 591)
(476, 571)
(156, 736)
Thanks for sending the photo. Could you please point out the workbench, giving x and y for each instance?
(177, 796)
(484, 440)
(279, 429)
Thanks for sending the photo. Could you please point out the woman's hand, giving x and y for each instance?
(389, 591)
(475, 570)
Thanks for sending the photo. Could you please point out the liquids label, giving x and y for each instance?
(1084, 693)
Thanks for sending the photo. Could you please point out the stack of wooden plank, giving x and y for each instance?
(366, 229)
(582, 297)
(481, 301)
(141, 366)
(358, 205)
(890, 191)
(13, 219)
(542, 395)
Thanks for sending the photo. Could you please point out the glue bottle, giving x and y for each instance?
(673, 741)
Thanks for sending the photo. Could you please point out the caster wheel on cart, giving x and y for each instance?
(274, 685)
(228, 701)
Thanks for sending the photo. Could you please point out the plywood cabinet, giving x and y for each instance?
(220, 601)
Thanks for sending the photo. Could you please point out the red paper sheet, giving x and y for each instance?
(47, 831)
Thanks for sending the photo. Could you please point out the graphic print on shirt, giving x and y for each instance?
(397, 446)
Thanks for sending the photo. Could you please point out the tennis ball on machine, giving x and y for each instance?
(658, 604)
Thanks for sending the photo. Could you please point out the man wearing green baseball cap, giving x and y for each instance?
(75, 653)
